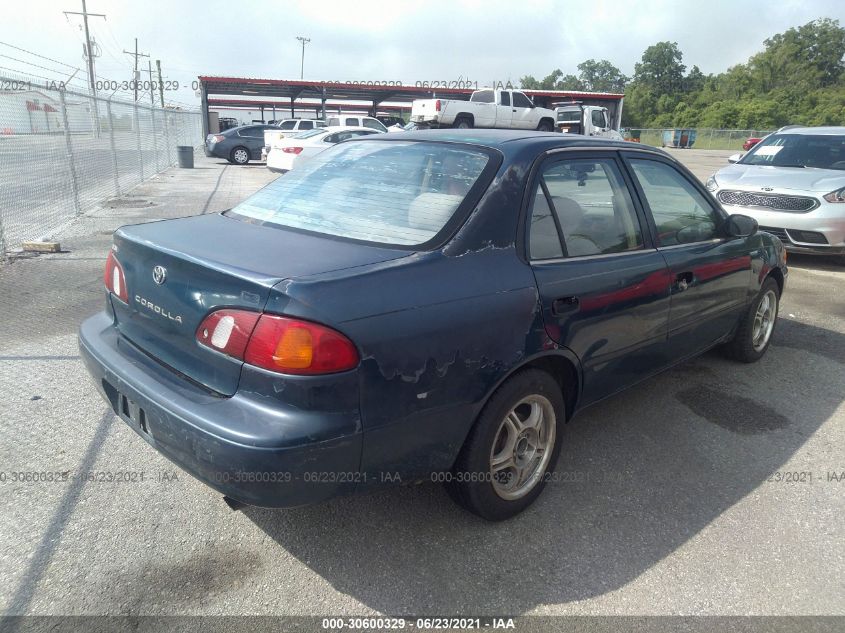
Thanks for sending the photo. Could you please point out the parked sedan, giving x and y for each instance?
(793, 184)
(423, 306)
(293, 151)
(238, 145)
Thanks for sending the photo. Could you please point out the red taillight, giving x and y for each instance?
(437, 105)
(219, 138)
(114, 279)
(227, 331)
(292, 150)
(277, 343)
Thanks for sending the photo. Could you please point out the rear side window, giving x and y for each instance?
(400, 192)
(352, 121)
(681, 213)
(505, 98)
(320, 124)
(287, 125)
(582, 207)
(483, 96)
(306, 125)
(334, 121)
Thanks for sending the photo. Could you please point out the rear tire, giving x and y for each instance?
(239, 156)
(514, 444)
(754, 333)
(463, 123)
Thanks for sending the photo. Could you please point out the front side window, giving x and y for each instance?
(387, 192)
(582, 207)
(374, 124)
(306, 125)
(598, 118)
(287, 125)
(681, 213)
(521, 101)
(352, 122)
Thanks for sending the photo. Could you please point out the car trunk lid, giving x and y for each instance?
(177, 272)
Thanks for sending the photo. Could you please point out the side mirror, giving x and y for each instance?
(738, 225)
(735, 158)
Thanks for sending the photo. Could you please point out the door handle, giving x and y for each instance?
(683, 281)
(514, 109)
(565, 305)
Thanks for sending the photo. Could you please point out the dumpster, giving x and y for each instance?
(631, 135)
(185, 156)
(678, 137)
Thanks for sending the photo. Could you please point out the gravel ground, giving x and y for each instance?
(671, 499)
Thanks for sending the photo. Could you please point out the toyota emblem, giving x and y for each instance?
(159, 274)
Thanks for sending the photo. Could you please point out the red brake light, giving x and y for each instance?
(437, 105)
(292, 150)
(219, 138)
(227, 331)
(291, 346)
(114, 279)
(277, 343)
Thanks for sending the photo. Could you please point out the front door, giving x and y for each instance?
(604, 287)
(504, 110)
(711, 273)
(523, 112)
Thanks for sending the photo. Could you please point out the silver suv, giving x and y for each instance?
(793, 183)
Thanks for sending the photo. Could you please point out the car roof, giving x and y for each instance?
(510, 139)
(822, 130)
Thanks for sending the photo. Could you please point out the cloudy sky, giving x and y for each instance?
(483, 40)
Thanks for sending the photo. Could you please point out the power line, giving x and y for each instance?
(23, 50)
(23, 61)
(135, 76)
(304, 41)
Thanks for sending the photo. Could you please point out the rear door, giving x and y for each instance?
(604, 287)
(711, 274)
(253, 139)
(504, 110)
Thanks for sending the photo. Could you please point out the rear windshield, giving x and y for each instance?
(569, 116)
(387, 192)
(823, 151)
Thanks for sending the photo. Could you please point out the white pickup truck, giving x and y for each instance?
(508, 109)
(589, 120)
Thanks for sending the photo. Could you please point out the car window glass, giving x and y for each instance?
(287, 125)
(334, 121)
(352, 121)
(483, 96)
(681, 213)
(505, 98)
(521, 101)
(306, 125)
(592, 206)
(320, 124)
(374, 124)
(598, 119)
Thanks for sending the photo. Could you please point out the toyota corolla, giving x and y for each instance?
(426, 306)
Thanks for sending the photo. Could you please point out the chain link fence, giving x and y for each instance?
(64, 152)
(702, 138)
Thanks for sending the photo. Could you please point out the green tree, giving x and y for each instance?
(661, 68)
(601, 76)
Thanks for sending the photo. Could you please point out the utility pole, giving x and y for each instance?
(304, 41)
(160, 83)
(136, 76)
(89, 53)
(152, 83)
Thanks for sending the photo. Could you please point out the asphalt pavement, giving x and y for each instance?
(713, 489)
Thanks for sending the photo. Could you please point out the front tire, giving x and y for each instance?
(754, 333)
(514, 444)
(239, 156)
(545, 126)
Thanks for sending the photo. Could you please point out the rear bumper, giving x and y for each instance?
(273, 465)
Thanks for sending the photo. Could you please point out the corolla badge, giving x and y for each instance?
(159, 275)
(149, 305)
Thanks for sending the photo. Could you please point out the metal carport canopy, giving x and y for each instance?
(373, 92)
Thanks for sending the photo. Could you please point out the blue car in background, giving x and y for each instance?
(238, 145)
(426, 306)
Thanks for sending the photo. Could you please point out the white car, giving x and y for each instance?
(368, 122)
(793, 183)
(503, 109)
(289, 152)
(286, 128)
